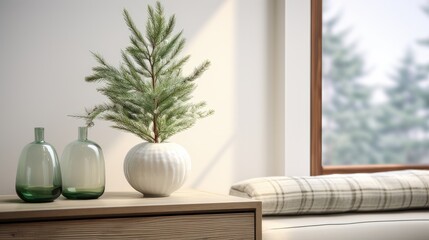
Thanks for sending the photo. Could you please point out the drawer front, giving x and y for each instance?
(192, 226)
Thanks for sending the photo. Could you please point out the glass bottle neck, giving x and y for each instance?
(83, 133)
(39, 134)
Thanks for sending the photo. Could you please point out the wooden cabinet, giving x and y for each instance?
(186, 214)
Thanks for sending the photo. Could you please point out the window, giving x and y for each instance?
(369, 105)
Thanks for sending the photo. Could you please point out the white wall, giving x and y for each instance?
(297, 87)
(44, 57)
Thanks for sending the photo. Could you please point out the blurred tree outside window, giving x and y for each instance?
(375, 82)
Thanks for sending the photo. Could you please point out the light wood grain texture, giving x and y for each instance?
(197, 226)
(186, 214)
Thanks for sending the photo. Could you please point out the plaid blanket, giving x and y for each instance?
(335, 193)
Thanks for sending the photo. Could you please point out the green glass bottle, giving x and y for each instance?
(82, 167)
(38, 178)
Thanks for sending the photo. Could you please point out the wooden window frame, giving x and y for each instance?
(316, 166)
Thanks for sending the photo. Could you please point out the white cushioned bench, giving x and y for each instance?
(392, 225)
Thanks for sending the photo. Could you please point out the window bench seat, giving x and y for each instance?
(385, 205)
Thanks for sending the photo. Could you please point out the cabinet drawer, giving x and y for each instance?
(189, 226)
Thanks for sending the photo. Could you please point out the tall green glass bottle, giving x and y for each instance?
(82, 167)
(38, 178)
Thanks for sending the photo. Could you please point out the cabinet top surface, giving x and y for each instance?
(121, 204)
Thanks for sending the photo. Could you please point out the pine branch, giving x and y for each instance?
(148, 94)
(198, 71)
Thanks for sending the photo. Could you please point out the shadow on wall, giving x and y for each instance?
(196, 183)
(259, 109)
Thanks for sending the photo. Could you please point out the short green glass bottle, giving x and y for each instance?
(82, 167)
(38, 178)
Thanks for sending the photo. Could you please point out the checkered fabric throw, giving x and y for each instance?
(338, 192)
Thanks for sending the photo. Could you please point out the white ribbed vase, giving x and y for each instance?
(157, 169)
